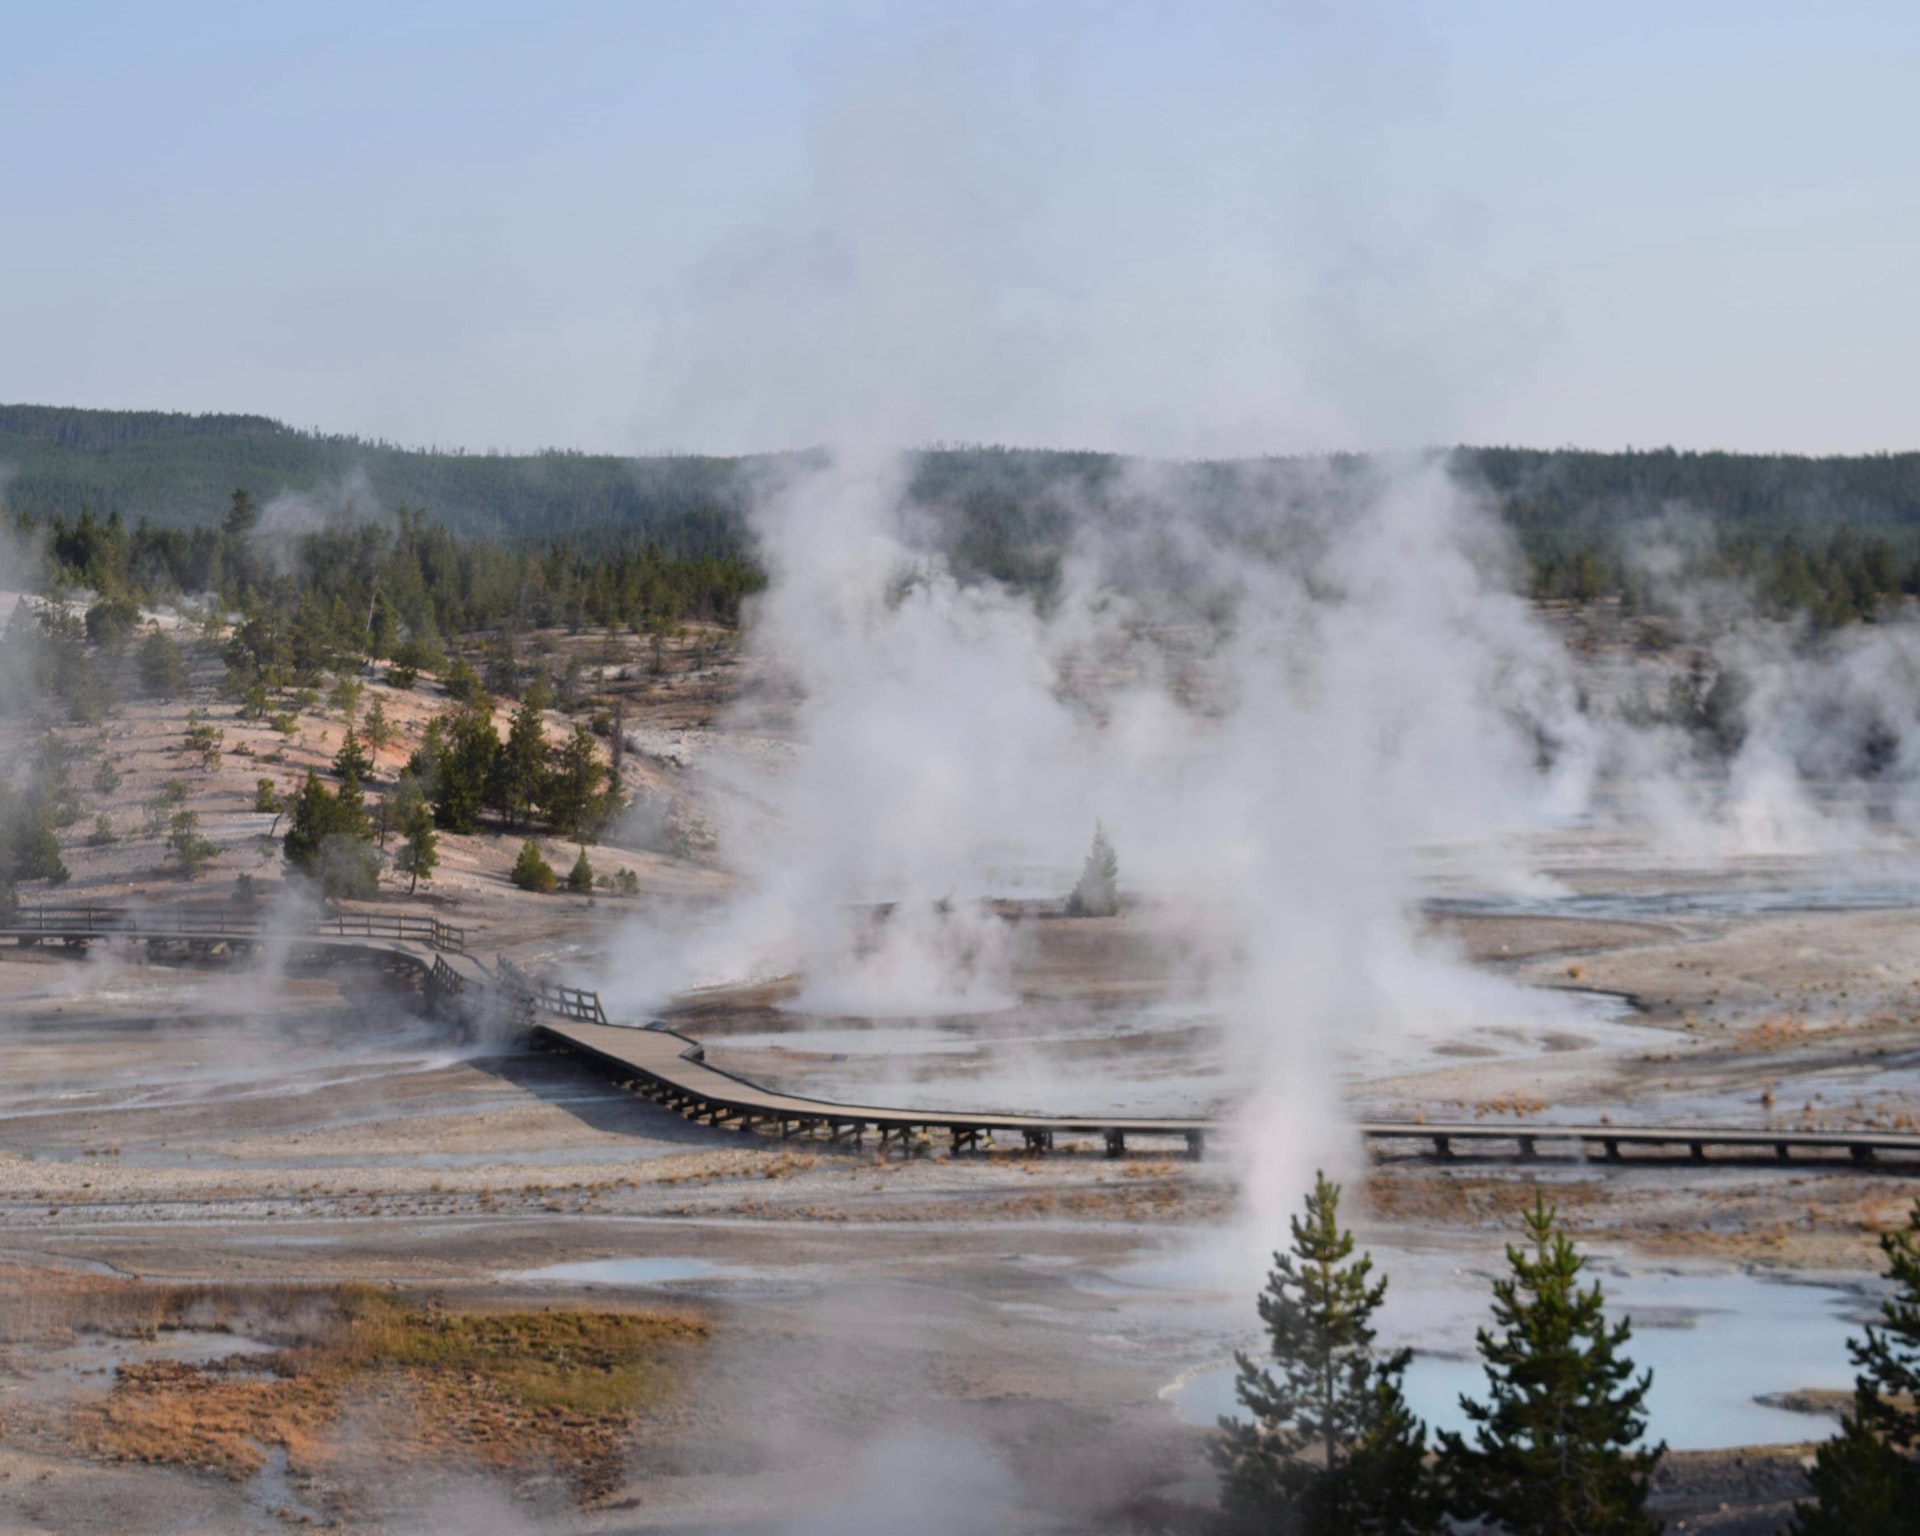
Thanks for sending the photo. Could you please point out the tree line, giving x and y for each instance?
(369, 588)
(1834, 582)
(1005, 513)
(1556, 1448)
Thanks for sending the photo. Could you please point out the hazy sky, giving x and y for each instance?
(1184, 228)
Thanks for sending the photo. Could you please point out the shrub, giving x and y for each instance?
(533, 873)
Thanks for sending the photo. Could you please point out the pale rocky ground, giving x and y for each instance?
(882, 1327)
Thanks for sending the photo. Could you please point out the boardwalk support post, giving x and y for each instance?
(1116, 1143)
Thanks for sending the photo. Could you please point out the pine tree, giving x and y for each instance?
(352, 761)
(328, 837)
(420, 853)
(189, 849)
(580, 877)
(455, 764)
(1098, 893)
(163, 667)
(1552, 1450)
(240, 517)
(309, 820)
(402, 804)
(376, 727)
(574, 804)
(1866, 1481)
(521, 768)
(1333, 1449)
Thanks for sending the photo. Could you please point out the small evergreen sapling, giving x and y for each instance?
(376, 727)
(1333, 1449)
(420, 853)
(1866, 1481)
(580, 877)
(1098, 891)
(190, 850)
(352, 761)
(1552, 1449)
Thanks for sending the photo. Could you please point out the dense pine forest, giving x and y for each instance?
(139, 500)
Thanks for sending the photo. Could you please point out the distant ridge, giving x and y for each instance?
(176, 469)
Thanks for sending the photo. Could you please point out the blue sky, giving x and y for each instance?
(1189, 228)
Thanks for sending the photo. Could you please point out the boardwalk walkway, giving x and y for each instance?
(673, 1069)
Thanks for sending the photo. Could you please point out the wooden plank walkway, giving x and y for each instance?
(673, 1069)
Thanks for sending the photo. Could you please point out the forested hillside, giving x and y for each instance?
(178, 471)
(1832, 535)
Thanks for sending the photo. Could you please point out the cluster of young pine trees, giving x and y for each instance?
(1332, 1448)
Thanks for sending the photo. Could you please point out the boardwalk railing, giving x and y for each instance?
(537, 994)
(150, 922)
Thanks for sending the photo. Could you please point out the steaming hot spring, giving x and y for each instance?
(1011, 1005)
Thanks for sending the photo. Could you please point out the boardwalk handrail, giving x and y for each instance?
(551, 996)
(150, 922)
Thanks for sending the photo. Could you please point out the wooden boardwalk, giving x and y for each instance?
(673, 1069)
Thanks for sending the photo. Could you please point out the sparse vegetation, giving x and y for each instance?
(203, 741)
(495, 1391)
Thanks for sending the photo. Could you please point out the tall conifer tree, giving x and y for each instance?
(1333, 1449)
(1553, 1447)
